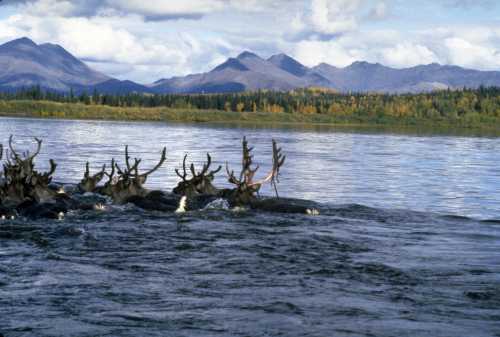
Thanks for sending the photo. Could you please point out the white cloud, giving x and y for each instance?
(473, 47)
(328, 19)
(467, 54)
(158, 10)
(151, 10)
(379, 12)
(471, 3)
(335, 53)
(8, 30)
(469, 46)
(334, 17)
(121, 52)
(119, 38)
(59, 7)
(407, 54)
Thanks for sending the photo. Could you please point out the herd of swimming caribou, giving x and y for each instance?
(25, 191)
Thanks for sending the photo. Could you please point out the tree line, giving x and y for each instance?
(445, 104)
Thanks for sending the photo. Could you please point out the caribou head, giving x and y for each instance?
(199, 183)
(128, 182)
(21, 181)
(89, 182)
(246, 189)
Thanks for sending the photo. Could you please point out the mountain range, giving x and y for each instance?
(23, 63)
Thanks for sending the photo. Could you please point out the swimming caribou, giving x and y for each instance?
(25, 190)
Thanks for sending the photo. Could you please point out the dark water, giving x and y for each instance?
(421, 257)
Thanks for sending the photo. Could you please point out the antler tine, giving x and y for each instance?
(184, 175)
(278, 161)
(8, 157)
(247, 159)
(87, 170)
(13, 154)
(192, 169)
(39, 147)
(135, 167)
(249, 174)
(160, 163)
(206, 166)
(213, 172)
(113, 163)
(128, 172)
(118, 169)
(53, 167)
(232, 179)
(127, 158)
(110, 175)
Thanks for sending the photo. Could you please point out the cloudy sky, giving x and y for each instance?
(144, 40)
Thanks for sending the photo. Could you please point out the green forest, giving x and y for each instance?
(461, 108)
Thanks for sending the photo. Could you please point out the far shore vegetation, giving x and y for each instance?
(467, 108)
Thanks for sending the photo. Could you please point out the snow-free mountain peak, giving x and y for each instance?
(23, 63)
(289, 64)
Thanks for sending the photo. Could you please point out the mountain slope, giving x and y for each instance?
(311, 77)
(289, 64)
(23, 63)
(248, 71)
(364, 77)
(281, 72)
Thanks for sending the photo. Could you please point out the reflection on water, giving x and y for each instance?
(446, 174)
(415, 130)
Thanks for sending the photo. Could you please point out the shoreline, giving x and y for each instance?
(81, 112)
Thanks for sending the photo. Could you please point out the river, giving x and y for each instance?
(407, 242)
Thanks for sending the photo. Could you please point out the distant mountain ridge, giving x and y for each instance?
(369, 77)
(23, 64)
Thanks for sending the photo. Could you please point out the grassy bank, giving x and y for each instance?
(45, 109)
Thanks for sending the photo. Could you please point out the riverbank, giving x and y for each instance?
(46, 109)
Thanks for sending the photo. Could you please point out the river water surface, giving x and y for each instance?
(407, 243)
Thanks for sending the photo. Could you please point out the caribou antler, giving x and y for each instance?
(87, 171)
(192, 168)
(247, 173)
(53, 167)
(184, 174)
(27, 157)
(206, 166)
(13, 153)
(22, 181)
(128, 182)
(199, 182)
(89, 182)
(39, 147)
(132, 170)
(111, 174)
(273, 176)
(125, 174)
(246, 180)
(160, 163)
(46, 177)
